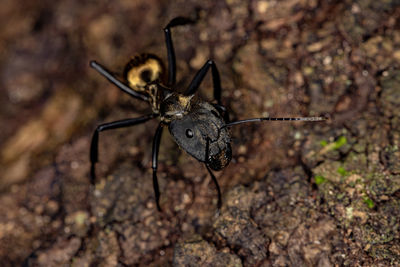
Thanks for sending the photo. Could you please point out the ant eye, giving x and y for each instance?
(189, 133)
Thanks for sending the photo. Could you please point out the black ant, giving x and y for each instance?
(198, 127)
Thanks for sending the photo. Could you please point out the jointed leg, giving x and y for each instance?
(106, 73)
(156, 147)
(194, 85)
(217, 186)
(170, 47)
(213, 176)
(108, 126)
(224, 111)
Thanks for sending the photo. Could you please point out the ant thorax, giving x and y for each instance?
(175, 106)
(154, 94)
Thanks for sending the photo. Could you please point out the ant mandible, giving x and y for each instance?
(198, 127)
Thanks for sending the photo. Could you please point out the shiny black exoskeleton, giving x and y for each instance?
(200, 128)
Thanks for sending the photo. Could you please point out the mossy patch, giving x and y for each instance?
(319, 179)
(342, 171)
(369, 202)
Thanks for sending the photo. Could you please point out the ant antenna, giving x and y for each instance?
(275, 119)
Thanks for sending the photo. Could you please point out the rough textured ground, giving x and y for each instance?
(295, 194)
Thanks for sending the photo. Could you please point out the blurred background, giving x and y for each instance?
(294, 194)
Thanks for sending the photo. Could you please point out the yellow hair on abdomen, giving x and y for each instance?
(143, 70)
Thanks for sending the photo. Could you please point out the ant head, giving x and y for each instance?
(200, 133)
(143, 70)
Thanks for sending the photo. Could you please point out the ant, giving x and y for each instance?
(198, 127)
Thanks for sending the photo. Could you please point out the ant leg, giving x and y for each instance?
(170, 47)
(224, 111)
(213, 176)
(216, 185)
(106, 73)
(194, 85)
(94, 146)
(156, 147)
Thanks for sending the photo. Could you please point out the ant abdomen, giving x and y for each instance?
(143, 70)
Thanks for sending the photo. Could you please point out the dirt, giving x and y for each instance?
(295, 194)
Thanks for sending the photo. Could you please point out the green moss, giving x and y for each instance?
(323, 143)
(369, 202)
(342, 171)
(319, 179)
(341, 141)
